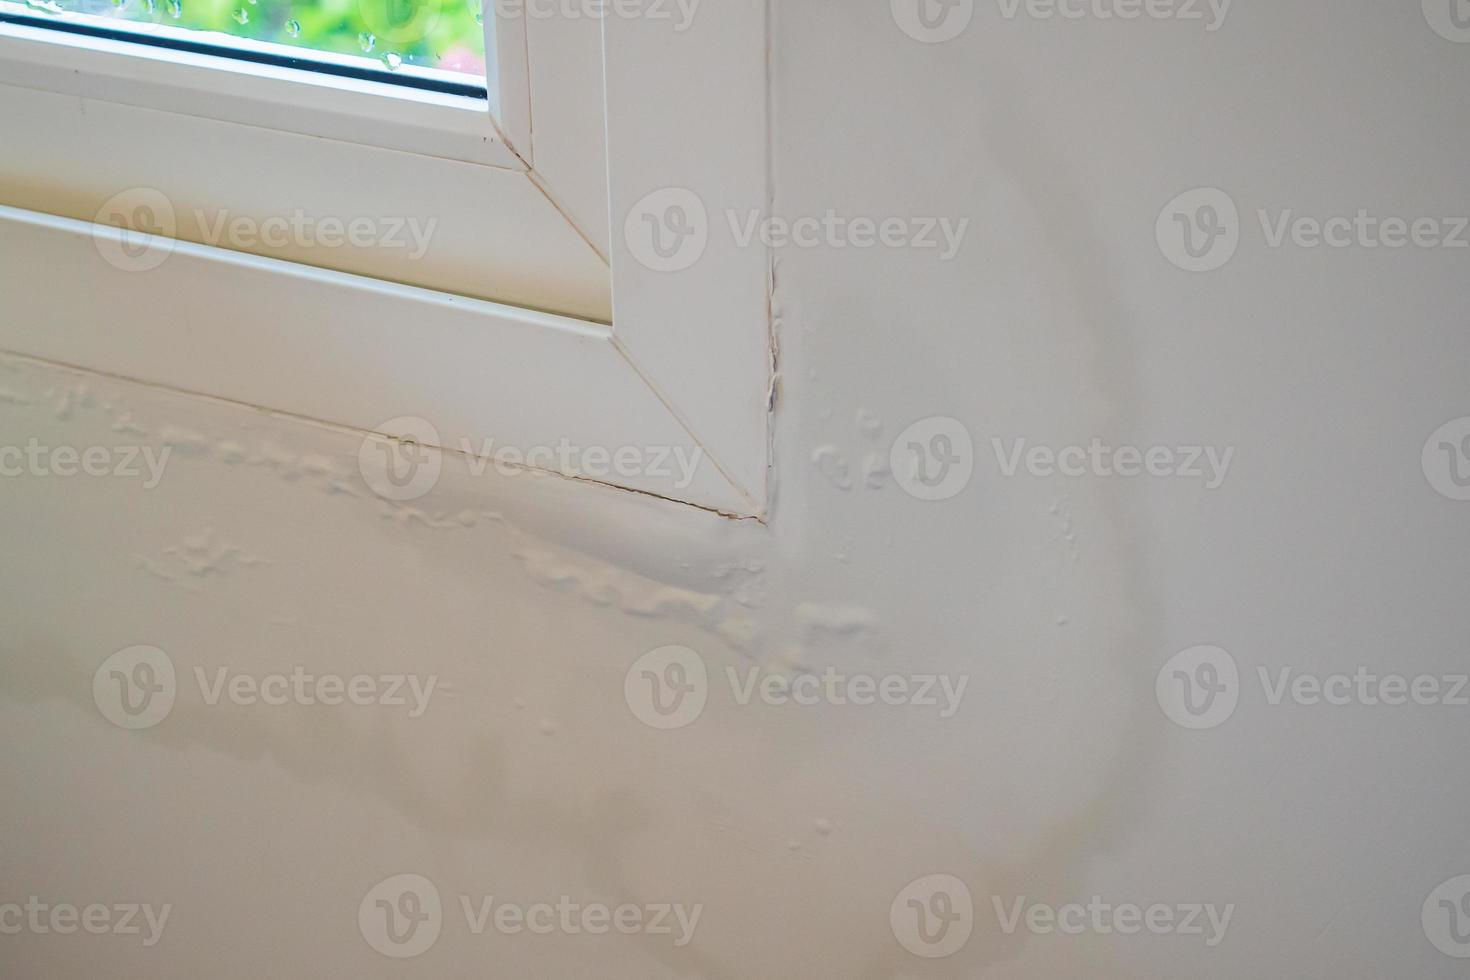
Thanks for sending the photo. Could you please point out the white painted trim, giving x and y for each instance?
(507, 62)
(688, 110)
(495, 235)
(569, 121)
(163, 119)
(351, 351)
(689, 361)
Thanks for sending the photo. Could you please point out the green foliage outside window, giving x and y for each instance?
(444, 34)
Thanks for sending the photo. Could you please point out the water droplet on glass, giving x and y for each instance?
(176, 8)
(242, 16)
(393, 61)
(150, 5)
(293, 28)
(366, 42)
(45, 6)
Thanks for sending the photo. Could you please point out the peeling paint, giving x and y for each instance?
(830, 462)
(203, 554)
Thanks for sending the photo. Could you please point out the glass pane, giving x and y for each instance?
(437, 34)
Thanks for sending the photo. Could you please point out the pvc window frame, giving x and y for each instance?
(549, 322)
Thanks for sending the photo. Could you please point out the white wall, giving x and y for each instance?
(1058, 779)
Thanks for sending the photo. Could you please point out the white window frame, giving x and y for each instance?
(685, 363)
(285, 98)
(519, 222)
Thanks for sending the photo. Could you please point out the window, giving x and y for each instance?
(423, 40)
(351, 248)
